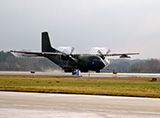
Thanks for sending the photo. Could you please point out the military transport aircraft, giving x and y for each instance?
(69, 62)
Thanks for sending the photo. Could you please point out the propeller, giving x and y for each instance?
(104, 57)
(70, 55)
(67, 56)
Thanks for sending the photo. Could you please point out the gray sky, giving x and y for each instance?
(120, 25)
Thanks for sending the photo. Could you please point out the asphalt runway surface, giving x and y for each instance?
(44, 105)
(90, 74)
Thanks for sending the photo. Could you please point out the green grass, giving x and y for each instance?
(117, 86)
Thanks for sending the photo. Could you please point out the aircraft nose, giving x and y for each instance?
(101, 64)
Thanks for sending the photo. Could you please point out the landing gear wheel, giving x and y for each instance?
(97, 71)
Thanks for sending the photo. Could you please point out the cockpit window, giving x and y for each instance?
(96, 59)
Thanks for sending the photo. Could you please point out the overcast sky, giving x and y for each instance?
(120, 25)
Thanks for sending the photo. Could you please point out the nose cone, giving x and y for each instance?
(96, 63)
(101, 64)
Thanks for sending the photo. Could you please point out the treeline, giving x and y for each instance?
(9, 62)
(148, 66)
(135, 66)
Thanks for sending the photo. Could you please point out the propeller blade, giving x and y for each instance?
(70, 55)
(100, 52)
(107, 62)
(108, 52)
(72, 50)
(74, 59)
(103, 56)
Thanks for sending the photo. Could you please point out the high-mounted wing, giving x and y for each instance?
(35, 54)
(28, 53)
(123, 55)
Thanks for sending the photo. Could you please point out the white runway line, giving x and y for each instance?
(92, 74)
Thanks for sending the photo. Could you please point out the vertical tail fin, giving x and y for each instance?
(46, 45)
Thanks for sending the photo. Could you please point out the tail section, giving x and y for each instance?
(46, 45)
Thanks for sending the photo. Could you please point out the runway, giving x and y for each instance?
(89, 74)
(43, 105)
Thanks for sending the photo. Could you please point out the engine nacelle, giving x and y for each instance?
(65, 57)
(124, 56)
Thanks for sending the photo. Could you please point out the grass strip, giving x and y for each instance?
(116, 86)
